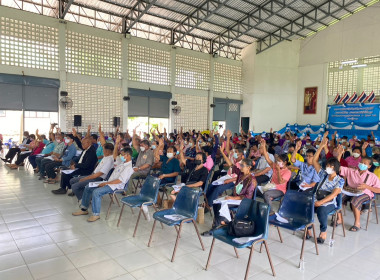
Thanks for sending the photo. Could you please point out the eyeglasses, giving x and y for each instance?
(309, 156)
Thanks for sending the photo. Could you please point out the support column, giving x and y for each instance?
(124, 81)
(172, 88)
(62, 72)
(210, 110)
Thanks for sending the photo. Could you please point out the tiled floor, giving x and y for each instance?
(40, 239)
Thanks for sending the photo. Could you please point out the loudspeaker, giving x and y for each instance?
(174, 103)
(126, 98)
(64, 93)
(77, 120)
(116, 121)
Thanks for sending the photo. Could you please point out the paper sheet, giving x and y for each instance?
(281, 219)
(78, 153)
(94, 184)
(225, 211)
(68, 171)
(177, 188)
(260, 189)
(175, 217)
(50, 157)
(243, 240)
(221, 180)
(24, 152)
(351, 194)
(301, 186)
(40, 155)
(229, 201)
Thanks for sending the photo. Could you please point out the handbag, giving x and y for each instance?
(321, 194)
(349, 189)
(242, 227)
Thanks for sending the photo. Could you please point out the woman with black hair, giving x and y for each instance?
(329, 187)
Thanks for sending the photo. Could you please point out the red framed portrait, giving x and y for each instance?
(310, 100)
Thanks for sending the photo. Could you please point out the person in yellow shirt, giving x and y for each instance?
(376, 164)
(298, 157)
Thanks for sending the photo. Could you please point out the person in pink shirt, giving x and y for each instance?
(361, 179)
(281, 175)
(209, 164)
(356, 157)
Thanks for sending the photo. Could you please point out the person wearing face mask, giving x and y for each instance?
(243, 187)
(329, 187)
(356, 157)
(16, 150)
(65, 160)
(59, 147)
(263, 172)
(191, 150)
(376, 165)
(281, 176)
(119, 177)
(364, 181)
(143, 164)
(170, 166)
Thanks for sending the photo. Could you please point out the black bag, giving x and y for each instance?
(242, 227)
(321, 194)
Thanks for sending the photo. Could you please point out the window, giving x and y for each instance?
(227, 78)
(192, 72)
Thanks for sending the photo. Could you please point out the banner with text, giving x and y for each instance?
(360, 115)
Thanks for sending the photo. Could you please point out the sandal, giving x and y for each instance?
(320, 240)
(354, 229)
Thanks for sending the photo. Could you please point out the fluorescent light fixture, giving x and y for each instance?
(359, 65)
(349, 62)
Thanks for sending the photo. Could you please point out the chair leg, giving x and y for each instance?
(155, 209)
(269, 257)
(315, 240)
(377, 216)
(209, 255)
(109, 207)
(236, 253)
(369, 212)
(117, 201)
(279, 234)
(303, 245)
(151, 234)
(121, 212)
(249, 261)
(138, 220)
(199, 236)
(335, 218)
(261, 247)
(344, 210)
(176, 242)
(343, 228)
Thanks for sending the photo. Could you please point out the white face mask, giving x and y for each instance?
(169, 155)
(355, 155)
(142, 149)
(190, 144)
(280, 164)
(329, 170)
(67, 141)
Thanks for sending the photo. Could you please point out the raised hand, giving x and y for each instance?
(325, 134)
(118, 139)
(89, 127)
(365, 145)
(229, 133)
(298, 145)
(74, 131)
(340, 150)
(324, 142)
(100, 127)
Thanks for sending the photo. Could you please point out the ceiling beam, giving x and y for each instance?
(137, 12)
(63, 9)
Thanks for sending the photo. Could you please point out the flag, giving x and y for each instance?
(337, 98)
(371, 97)
(344, 99)
(353, 98)
(362, 97)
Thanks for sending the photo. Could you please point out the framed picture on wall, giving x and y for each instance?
(310, 100)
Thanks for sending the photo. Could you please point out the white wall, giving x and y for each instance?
(357, 36)
(270, 86)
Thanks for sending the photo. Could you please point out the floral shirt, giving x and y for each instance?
(330, 186)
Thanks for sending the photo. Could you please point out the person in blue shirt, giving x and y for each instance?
(65, 160)
(170, 166)
(308, 176)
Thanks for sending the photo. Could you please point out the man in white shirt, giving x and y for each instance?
(120, 176)
(100, 173)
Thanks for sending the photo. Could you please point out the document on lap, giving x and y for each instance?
(94, 184)
(221, 180)
(68, 171)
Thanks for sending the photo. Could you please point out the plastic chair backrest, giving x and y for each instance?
(187, 202)
(109, 174)
(209, 178)
(259, 214)
(150, 188)
(298, 207)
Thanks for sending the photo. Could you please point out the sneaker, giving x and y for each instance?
(93, 218)
(80, 212)
(59, 191)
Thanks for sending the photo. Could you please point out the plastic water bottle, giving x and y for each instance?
(331, 242)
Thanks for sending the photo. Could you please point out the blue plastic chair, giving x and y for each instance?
(335, 212)
(147, 196)
(113, 194)
(204, 191)
(259, 214)
(298, 209)
(164, 186)
(185, 205)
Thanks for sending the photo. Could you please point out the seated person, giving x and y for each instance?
(16, 150)
(356, 157)
(243, 187)
(84, 167)
(361, 179)
(170, 165)
(191, 149)
(254, 153)
(308, 177)
(59, 147)
(331, 183)
(281, 176)
(64, 160)
(143, 164)
(197, 176)
(34, 147)
(207, 150)
(100, 173)
(263, 171)
(214, 191)
(48, 149)
(118, 179)
(298, 157)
